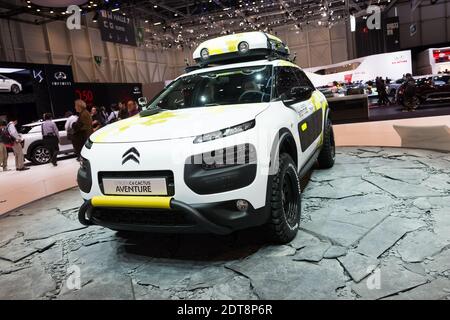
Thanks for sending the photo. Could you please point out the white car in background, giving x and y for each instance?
(9, 85)
(34, 148)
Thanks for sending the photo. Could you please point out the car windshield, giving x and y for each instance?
(220, 87)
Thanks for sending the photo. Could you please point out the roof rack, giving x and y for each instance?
(242, 47)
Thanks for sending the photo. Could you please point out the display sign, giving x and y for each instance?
(412, 29)
(30, 90)
(60, 87)
(441, 56)
(391, 65)
(392, 34)
(117, 28)
(106, 94)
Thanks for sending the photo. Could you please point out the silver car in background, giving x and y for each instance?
(9, 85)
(34, 148)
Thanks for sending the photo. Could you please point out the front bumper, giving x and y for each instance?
(168, 215)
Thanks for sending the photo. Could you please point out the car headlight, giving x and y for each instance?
(88, 144)
(225, 132)
(204, 53)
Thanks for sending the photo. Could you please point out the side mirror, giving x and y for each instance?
(142, 101)
(301, 93)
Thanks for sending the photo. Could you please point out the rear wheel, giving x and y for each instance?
(284, 202)
(40, 155)
(328, 152)
(15, 89)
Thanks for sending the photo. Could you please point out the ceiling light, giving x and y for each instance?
(157, 23)
(115, 9)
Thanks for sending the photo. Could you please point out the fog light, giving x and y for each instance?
(242, 205)
(204, 53)
(243, 47)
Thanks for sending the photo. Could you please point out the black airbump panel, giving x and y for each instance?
(310, 129)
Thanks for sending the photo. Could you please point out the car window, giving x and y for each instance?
(441, 80)
(60, 125)
(303, 80)
(285, 81)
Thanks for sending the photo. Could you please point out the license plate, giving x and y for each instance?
(135, 187)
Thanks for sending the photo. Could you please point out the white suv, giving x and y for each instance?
(222, 148)
(34, 148)
(9, 85)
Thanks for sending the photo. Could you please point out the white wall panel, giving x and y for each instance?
(339, 51)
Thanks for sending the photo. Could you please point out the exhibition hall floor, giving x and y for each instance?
(376, 226)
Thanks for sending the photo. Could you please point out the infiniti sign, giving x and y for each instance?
(60, 76)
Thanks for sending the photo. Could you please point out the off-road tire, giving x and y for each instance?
(328, 152)
(283, 223)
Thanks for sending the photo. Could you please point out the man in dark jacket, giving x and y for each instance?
(82, 128)
(409, 94)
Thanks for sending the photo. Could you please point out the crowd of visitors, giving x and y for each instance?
(79, 126)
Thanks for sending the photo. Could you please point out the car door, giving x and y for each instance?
(3, 83)
(314, 122)
(308, 121)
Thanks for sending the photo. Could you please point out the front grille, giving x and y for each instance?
(142, 217)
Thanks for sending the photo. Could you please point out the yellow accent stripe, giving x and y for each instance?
(132, 202)
(304, 126)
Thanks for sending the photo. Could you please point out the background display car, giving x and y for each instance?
(222, 148)
(393, 86)
(34, 148)
(430, 89)
(9, 85)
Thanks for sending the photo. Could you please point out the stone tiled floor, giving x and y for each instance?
(376, 226)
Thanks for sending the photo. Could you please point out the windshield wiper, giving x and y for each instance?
(150, 112)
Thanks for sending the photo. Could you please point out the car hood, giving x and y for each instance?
(175, 124)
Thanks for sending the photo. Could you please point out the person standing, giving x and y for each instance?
(82, 127)
(114, 115)
(132, 108)
(123, 112)
(50, 135)
(383, 92)
(17, 144)
(97, 119)
(410, 101)
(4, 140)
(71, 119)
